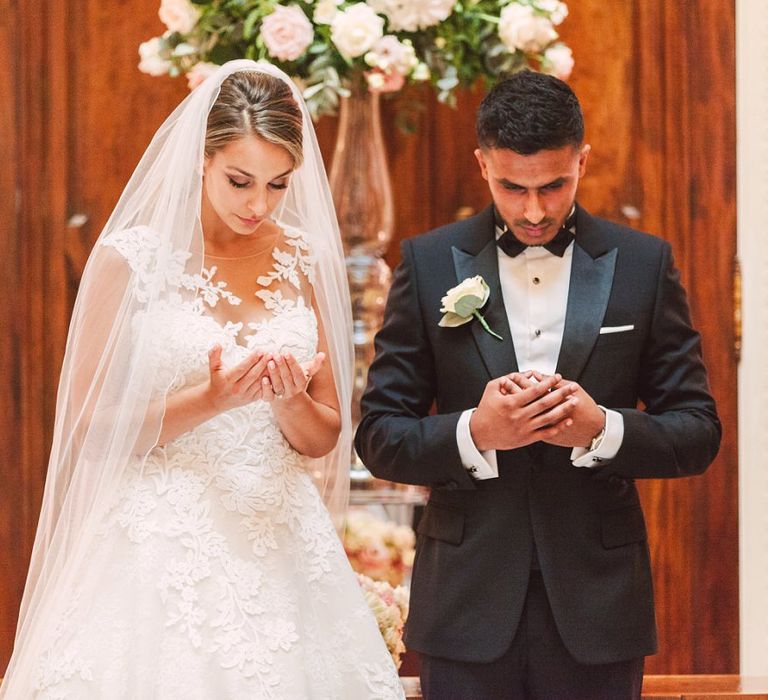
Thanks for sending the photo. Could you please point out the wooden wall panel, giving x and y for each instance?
(114, 111)
(709, 130)
(11, 528)
(657, 83)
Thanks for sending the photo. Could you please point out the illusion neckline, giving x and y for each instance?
(269, 248)
(240, 257)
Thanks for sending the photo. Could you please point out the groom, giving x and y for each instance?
(532, 575)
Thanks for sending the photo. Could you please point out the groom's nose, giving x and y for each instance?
(533, 211)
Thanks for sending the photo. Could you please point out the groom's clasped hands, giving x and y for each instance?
(521, 408)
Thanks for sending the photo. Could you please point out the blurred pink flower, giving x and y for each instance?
(380, 81)
(199, 72)
(287, 33)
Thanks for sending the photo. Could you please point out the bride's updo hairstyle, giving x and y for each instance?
(255, 104)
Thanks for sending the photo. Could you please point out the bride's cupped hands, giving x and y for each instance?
(260, 376)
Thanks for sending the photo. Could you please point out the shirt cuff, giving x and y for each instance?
(480, 465)
(608, 447)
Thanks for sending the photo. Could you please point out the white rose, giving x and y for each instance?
(178, 15)
(557, 10)
(558, 61)
(412, 15)
(375, 80)
(325, 11)
(355, 30)
(287, 33)
(389, 54)
(421, 72)
(521, 28)
(151, 61)
(460, 302)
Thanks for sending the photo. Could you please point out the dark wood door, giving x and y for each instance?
(657, 83)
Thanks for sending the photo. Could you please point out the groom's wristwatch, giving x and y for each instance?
(598, 439)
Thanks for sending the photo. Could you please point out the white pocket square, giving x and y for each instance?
(616, 329)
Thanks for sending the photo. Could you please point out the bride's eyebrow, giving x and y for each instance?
(247, 174)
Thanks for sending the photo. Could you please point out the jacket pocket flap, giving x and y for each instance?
(442, 523)
(622, 526)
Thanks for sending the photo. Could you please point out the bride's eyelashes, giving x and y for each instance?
(236, 184)
(241, 185)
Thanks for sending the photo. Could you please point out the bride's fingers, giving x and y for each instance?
(300, 379)
(214, 359)
(290, 386)
(255, 370)
(267, 392)
(244, 366)
(278, 385)
(253, 374)
(315, 364)
(311, 368)
(255, 389)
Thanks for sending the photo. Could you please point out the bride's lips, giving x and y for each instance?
(248, 222)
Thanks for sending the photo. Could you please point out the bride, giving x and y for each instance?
(184, 549)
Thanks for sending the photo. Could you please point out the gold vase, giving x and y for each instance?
(362, 194)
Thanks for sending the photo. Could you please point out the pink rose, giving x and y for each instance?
(287, 33)
(381, 81)
(373, 555)
(199, 72)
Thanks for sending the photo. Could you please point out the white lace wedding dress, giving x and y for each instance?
(218, 573)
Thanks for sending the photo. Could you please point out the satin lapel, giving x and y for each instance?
(590, 288)
(498, 355)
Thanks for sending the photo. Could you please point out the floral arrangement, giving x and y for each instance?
(390, 607)
(382, 550)
(326, 45)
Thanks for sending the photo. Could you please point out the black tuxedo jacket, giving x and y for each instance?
(476, 538)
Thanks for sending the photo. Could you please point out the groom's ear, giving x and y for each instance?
(583, 156)
(481, 161)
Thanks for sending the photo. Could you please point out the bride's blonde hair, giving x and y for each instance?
(255, 104)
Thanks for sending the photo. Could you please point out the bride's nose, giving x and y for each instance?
(257, 204)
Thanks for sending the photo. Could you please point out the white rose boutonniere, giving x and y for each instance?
(462, 303)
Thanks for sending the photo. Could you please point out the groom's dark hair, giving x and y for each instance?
(530, 112)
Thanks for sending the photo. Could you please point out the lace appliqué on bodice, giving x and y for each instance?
(221, 532)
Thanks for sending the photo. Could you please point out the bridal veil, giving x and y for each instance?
(107, 412)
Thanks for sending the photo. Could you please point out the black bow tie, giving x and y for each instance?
(513, 247)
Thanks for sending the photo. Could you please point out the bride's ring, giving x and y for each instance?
(279, 394)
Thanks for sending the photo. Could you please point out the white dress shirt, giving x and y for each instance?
(534, 287)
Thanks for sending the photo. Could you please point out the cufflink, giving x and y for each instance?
(596, 459)
(473, 470)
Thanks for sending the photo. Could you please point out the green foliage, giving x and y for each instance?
(454, 53)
